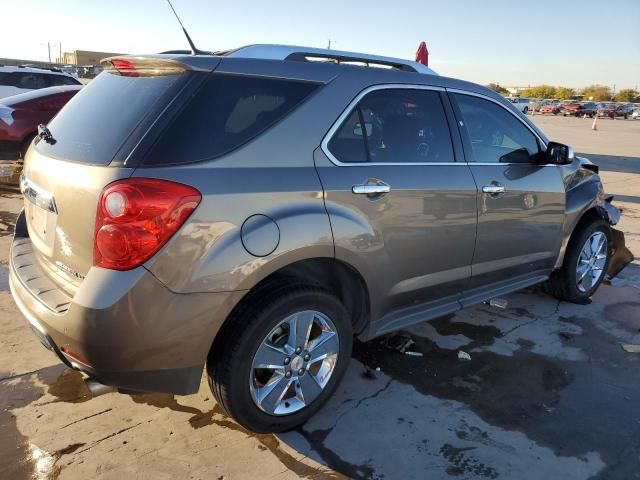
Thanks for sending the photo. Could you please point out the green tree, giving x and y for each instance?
(564, 93)
(597, 93)
(540, 91)
(497, 88)
(628, 95)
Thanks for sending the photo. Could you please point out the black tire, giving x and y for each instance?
(526, 109)
(25, 145)
(563, 282)
(230, 361)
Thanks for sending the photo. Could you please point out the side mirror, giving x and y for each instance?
(559, 154)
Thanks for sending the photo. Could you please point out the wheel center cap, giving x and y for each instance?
(296, 363)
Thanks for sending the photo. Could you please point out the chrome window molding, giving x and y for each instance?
(515, 115)
(324, 145)
(347, 111)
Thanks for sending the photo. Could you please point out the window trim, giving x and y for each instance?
(515, 115)
(354, 104)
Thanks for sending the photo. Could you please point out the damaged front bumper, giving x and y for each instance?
(621, 256)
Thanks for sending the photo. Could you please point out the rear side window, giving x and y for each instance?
(5, 78)
(96, 122)
(31, 81)
(227, 112)
(395, 126)
(55, 80)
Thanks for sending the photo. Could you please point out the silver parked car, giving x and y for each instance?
(253, 210)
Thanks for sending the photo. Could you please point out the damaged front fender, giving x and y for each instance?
(621, 256)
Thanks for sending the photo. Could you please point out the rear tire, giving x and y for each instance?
(570, 283)
(265, 320)
(525, 110)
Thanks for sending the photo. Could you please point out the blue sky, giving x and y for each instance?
(515, 42)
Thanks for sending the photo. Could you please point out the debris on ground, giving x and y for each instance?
(631, 348)
(368, 374)
(499, 303)
(463, 355)
(400, 342)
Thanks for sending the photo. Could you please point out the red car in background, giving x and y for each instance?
(21, 114)
(550, 108)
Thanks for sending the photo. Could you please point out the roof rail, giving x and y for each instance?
(305, 54)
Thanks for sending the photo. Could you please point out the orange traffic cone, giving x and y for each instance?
(594, 125)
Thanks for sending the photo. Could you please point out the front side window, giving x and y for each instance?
(496, 135)
(395, 126)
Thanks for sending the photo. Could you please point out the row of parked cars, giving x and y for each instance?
(586, 109)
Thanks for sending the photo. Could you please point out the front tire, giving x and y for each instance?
(280, 356)
(585, 263)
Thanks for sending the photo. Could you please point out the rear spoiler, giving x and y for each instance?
(158, 65)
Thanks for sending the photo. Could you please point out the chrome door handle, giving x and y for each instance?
(371, 189)
(493, 189)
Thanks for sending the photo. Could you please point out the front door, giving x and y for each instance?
(521, 202)
(402, 210)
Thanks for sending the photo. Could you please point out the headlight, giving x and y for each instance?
(6, 114)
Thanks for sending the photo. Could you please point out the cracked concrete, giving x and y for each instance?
(548, 393)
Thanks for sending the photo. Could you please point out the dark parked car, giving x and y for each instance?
(577, 109)
(253, 211)
(21, 114)
(613, 110)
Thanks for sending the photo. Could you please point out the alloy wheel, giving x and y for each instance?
(591, 261)
(294, 363)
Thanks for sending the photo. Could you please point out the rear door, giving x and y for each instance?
(402, 209)
(521, 202)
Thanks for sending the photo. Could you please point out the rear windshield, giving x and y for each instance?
(228, 111)
(95, 123)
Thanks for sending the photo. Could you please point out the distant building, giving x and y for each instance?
(84, 57)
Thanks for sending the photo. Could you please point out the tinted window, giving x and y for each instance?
(400, 126)
(6, 78)
(31, 81)
(496, 135)
(94, 124)
(55, 80)
(227, 112)
(348, 143)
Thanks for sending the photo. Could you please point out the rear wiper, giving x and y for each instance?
(45, 134)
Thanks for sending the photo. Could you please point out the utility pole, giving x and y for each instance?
(60, 57)
(49, 50)
(329, 45)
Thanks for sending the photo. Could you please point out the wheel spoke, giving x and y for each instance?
(325, 345)
(270, 396)
(269, 356)
(582, 272)
(308, 388)
(299, 329)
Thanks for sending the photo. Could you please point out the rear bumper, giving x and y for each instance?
(126, 329)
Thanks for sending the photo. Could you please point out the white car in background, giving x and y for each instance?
(15, 80)
(522, 104)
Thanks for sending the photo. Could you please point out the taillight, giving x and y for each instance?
(125, 67)
(136, 217)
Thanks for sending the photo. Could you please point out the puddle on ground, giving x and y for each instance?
(69, 387)
(542, 397)
(21, 460)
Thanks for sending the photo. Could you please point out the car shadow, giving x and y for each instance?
(614, 163)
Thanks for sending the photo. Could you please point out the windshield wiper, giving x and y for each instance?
(45, 134)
